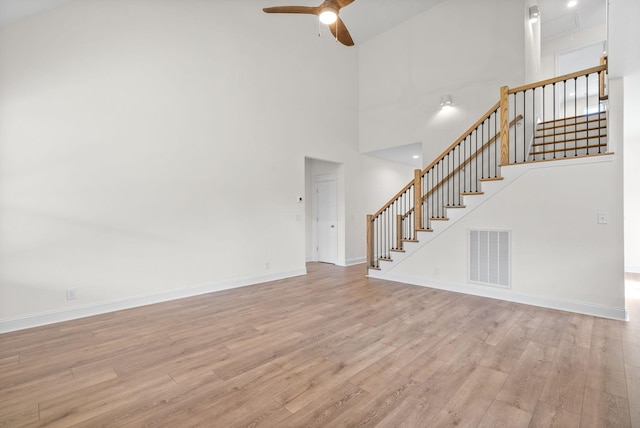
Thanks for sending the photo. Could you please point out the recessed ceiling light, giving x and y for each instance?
(416, 156)
(572, 3)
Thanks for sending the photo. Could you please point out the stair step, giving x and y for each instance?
(439, 219)
(471, 193)
(567, 137)
(594, 131)
(409, 240)
(568, 149)
(424, 230)
(455, 206)
(491, 179)
(397, 250)
(385, 259)
(570, 121)
(592, 124)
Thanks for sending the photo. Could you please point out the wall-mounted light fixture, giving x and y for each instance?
(534, 14)
(446, 101)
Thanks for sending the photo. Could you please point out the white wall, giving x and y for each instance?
(632, 172)
(577, 40)
(561, 257)
(532, 45)
(151, 146)
(464, 48)
(624, 63)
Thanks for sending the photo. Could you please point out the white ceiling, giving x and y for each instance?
(14, 10)
(409, 154)
(558, 20)
(368, 18)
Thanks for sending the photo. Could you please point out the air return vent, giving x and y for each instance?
(490, 257)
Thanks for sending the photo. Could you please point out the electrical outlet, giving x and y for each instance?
(71, 294)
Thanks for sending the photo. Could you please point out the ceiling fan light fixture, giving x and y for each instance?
(328, 15)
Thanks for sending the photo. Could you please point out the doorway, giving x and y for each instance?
(324, 190)
(326, 218)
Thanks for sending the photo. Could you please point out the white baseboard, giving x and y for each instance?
(586, 308)
(45, 318)
(351, 262)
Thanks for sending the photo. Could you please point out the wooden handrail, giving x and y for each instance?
(472, 157)
(558, 79)
(462, 137)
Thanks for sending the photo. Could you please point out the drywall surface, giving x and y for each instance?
(467, 49)
(148, 147)
(632, 172)
(559, 253)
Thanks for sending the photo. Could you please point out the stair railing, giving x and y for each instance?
(473, 156)
(502, 136)
(576, 95)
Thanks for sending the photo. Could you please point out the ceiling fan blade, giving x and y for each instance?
(343, 3)
(342, 34)
(292, 9)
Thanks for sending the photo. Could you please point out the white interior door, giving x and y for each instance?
(327, 219)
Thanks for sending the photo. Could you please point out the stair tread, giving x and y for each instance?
(591, 124)
(554, 159)
(596, 131)
(592, 117)
(491, 179)
(568, 149)
(455, 206)
(424, 230)
(471, 193)
(439, 219)
(556, 141)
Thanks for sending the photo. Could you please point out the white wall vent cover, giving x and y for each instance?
(490, 257)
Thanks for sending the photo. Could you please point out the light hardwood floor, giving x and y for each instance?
(332, 348)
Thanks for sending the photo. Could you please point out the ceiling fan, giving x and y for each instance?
(327, 12)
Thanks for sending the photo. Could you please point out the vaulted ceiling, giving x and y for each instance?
(368, 18)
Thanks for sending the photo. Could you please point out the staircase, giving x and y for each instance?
(474, 167)
(572, 136)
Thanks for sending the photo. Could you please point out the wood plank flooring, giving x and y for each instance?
(329, 349)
